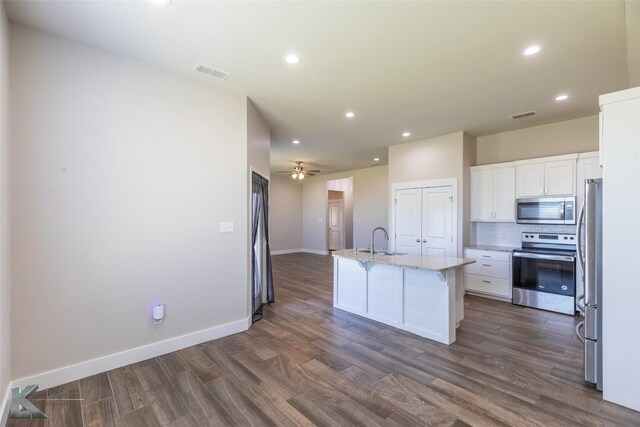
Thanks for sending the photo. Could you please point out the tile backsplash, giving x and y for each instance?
(509, 234)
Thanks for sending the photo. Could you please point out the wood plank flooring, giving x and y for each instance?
(307, 363)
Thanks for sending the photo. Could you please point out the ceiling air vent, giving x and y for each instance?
(218, 74)
(525, 114)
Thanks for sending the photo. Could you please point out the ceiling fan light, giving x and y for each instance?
(301, 176)
(294, 175)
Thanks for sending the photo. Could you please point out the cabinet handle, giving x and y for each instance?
(486, 265)
(486, 281)
(417, 240)
(424, 240)
(486, 256)
(540, 189)
(546, 190)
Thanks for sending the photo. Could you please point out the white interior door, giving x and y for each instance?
(336, 225)
(407, 221)
(437, 221)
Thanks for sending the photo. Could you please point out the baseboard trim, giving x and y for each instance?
(286, 251)
(308, 251)
(4, 408)
(80, 370)
(315, 251)
(495, 297)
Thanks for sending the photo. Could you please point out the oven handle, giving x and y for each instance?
(543, 256)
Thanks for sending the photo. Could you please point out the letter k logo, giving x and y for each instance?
(21, 407)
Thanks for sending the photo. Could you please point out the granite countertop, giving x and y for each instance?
(493, 248)
(422, 262)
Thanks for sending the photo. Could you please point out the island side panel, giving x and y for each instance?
(349, 285)
(430, 304)
(385, 296)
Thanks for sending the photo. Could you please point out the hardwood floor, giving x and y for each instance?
(308, 364)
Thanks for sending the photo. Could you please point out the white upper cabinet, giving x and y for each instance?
(493, 193)
(588, 167)
(560, 178)
(536, 178)
(530, 180)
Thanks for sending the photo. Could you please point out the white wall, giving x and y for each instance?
(620, 234)
(571, 136)
(440, 157)
(258, 141)
(285, 214)
(121, 174)
(5, 287)
(370, 207)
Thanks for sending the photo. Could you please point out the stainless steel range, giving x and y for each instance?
(544, 272)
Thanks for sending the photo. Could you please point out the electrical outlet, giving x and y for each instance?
(226, 227)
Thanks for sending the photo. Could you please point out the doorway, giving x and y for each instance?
(262, 290)
(339, 228)
(336, 220)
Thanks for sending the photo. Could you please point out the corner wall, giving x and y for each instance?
(5, 274)
(370, 207)
(285, 214)
(440, 157)
(121, 174)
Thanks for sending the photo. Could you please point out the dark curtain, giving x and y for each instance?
(260, 202)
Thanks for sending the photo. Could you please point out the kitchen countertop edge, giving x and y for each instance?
(493, 248)
(420, 262)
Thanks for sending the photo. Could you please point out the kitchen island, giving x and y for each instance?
(417, 293)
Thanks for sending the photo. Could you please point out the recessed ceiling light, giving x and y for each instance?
(350, 114)
(532, 50)
(293, 59)
(562, 97)
(406, 134)
(376, 159)
(161, 2)
(295, 141)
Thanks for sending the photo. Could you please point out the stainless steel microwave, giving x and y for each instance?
(546, 210)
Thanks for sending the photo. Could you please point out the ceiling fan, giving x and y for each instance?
(299, 173)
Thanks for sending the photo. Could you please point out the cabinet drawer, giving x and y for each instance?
(484, 267)
(488, 285)
(479, 254)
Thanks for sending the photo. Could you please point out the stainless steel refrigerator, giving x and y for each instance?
(590, 261)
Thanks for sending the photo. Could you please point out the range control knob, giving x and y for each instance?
(565, 237)
(571, 238)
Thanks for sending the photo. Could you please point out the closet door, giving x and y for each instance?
(437, 212)
(408, 221)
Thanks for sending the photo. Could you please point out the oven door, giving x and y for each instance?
(544, 272)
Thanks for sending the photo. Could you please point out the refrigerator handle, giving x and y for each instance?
(578, 327)
(581, 259)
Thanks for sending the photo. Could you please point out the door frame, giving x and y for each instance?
(342, 228)
(249, 226)
(446, 182)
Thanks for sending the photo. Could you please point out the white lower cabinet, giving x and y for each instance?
(490, 275)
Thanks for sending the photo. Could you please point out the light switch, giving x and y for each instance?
(226, 227)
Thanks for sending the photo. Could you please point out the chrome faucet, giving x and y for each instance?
(386, 236)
